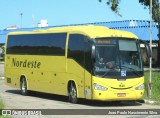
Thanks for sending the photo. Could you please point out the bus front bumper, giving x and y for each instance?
(117, 95)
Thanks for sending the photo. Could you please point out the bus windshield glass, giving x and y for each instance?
(117, 58)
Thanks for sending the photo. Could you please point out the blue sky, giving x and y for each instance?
(65, 12)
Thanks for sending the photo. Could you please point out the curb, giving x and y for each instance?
(150, 101)
(1, 78)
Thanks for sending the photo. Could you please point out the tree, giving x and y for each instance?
(155, 8)
(114, 5)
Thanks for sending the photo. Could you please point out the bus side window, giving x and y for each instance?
(37, 44)
(76, 48)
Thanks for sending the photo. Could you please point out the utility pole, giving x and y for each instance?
(158, 34)
(21, 14)
(150, 64)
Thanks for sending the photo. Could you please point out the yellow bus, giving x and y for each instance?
(90, 62)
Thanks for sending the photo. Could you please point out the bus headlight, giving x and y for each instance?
(99, 87)
(141, 87)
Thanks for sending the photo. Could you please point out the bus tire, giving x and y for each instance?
(72, 93)
(23, 86)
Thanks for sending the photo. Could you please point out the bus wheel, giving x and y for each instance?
(72, 93)
(23, 85)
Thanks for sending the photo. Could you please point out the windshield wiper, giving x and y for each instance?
(105, 74)
(111, 70)
(122, 66)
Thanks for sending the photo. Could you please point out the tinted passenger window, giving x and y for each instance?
(37, 44)
(76, 48)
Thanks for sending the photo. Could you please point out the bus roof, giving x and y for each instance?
(89, 30)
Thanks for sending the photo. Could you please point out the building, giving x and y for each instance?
(43, 23)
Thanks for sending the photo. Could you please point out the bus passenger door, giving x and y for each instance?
(88, 68)
(76, 62)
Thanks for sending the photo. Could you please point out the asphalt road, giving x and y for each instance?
(14, 100)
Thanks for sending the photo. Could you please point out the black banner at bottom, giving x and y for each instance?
(37, 112)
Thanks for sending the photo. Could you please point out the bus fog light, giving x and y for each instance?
(141, 87)
(99, 87)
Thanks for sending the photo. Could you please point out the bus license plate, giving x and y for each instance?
(121, 94)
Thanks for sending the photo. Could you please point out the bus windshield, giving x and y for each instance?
(118, 58)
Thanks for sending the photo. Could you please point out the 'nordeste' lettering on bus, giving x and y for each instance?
(26, 63)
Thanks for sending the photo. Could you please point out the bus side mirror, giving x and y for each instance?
(148, 50)
(93, 54)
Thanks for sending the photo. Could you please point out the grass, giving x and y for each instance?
(2, 107)
(155, 85)
(1, 104)
(1, 75)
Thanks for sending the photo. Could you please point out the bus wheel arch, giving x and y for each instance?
(23, 85)
(72, 92)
